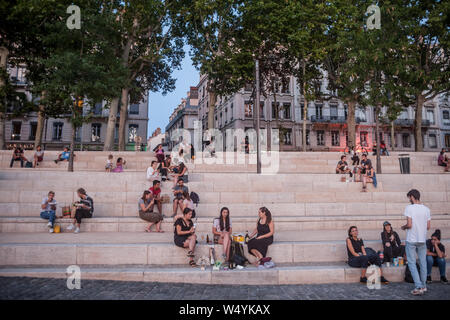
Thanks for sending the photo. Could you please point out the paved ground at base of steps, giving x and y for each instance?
(54, 289)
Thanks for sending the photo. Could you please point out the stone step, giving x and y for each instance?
(17, 249)
(317, 273)
(140, 236)
(240, 223)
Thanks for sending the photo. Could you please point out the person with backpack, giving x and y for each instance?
(418, 219)
(359, 258)
(264, 231)
(222, 230)
(436, 256)
(392, 245)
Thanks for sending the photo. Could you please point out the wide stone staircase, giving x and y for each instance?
(312, 212)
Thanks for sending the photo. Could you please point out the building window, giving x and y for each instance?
(302, 111)
(335, 139)
(406, 139)
(285, 85)
(320, 138)
(363, 139)
(132, 132)
(361, 114)
(134, 108)
(248, 107)
(78, 134)
(98, 109)
(345, 111)
(286, 111)
(432, 141)
(16, 128)
(430, 115)
(319, 108)
(307, 138)
(333, 112)
(445, 115)
(275, 114)
(57, 131)
(33, 130)
(95, 132)
(287, 134)
(231, 119)
(346, 138)
(447, 140)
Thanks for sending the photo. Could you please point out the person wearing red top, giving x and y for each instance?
(156, 192)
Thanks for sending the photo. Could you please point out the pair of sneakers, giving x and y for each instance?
(383, 280)
(50, 227)
(71, 227)
(443, 280)
(419, 291)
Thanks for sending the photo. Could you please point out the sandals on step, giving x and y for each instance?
(192, 263)
(190, 254)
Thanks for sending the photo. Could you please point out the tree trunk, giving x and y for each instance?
(3, 58)
(377, 136)
(418, 124)
(392, 136)
(111, 127)
(211, 108)
(40, 125)
(351, 124)
(123, 119)
(305, 110)
(72, 149)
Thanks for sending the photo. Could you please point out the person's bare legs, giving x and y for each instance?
(175, 207)
(258, 255)
(35, 161)
(158, 227)
(227, 245)
(364, 182)
(159, 205)
(148, 228)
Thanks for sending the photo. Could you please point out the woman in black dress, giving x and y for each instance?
(184, 234)
(264, 229)
(358, 258)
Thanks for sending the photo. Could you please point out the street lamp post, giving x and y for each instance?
(256, 104)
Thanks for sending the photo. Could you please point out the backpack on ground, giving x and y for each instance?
(237, 253)
(408, 275)
(195, 198)
(28, 164)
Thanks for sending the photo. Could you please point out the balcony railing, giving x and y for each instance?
(332, 119)
(410, 123)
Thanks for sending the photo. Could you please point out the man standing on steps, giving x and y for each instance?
(418, 219)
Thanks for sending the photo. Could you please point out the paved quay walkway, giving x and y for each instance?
(15, 288)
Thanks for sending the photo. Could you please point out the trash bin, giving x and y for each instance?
(404, 163)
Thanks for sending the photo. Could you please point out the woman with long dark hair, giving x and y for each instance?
(145, 207)
(222, 231)
(184, 234)
(264, 231)
(358, 257)
(392, 244)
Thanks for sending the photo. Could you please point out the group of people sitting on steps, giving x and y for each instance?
(429, 252)
(19, 155)
(260, 238)
(363, 172)
(83, 208)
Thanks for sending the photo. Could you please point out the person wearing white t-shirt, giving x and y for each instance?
(418, 219)
(152, 171)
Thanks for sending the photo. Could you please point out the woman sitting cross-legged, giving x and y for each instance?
(222, 232)
(265, 229)
(145, 206)
(184, 234)
(358, 258)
